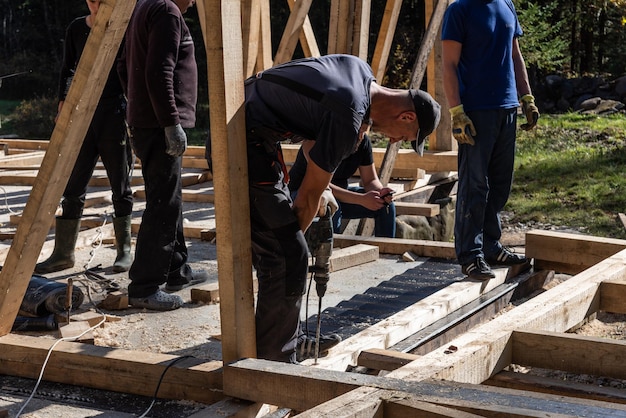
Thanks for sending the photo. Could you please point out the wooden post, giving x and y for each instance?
(91, 75)
(250, 29)
(264, 56)
(230, 175)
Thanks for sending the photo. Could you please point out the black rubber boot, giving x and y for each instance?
(65, 236)
(123, 259)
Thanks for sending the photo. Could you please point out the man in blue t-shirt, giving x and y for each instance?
(368, 200)
(484, 72)
(327, 104)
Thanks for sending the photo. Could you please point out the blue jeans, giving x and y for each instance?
(485, 180)
(384, 218)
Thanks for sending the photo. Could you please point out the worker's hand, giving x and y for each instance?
(462, 127)
(529, 109)
(175, 140)
(327, 200)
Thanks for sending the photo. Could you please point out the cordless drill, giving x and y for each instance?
(319, 238)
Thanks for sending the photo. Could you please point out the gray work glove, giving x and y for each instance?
(175, 140)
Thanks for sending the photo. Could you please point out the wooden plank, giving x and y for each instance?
(28, 159)
(487, 349)
(560, 351)
(556, 386)
(29, 144)
(406, 159)
(385, 38)
(292, 31)
(230, 174)
(250, 28)
(352, 256)
(418, 209)
(307, 37)
(399, 246)
(573, 252)
(613, 297)
(264, 56)
(361, 28)
(119, 370)
(381, 359)
(89, 79)
(281, 384)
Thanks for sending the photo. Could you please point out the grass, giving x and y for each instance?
(569, 173)
(6, 108)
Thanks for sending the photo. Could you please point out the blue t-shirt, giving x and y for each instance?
(486, 29)
(333, 122)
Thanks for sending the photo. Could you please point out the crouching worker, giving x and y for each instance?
(327, 104)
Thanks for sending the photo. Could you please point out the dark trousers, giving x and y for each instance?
(280, 257)
(485, 180)
(160, 252)
(105, 138)
(384, 218)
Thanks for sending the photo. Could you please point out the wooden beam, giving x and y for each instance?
(281, 384)
(385, 38)
(399, 246)
(264, 56)
(572, 253)
(290, 37)
(361, 28)
(556, 386)
(115, 369)
(250, 29)
(613, 297)
(382, 359)
(570, 353)
(407, 159)
(87, 85)
(417, 209)
(230, 174)
(487, 349)
(307, 37)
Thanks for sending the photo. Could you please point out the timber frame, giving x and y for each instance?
(460, 382)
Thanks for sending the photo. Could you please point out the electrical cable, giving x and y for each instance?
(156, 391)
(6, 200)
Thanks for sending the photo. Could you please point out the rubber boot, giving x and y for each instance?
(65, 236)
(123, 261)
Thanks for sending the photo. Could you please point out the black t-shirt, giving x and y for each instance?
(361, 157)
(333, 122)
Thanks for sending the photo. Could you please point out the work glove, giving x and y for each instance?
(530, 111)
(462, 127)
(175, 140)
(327, 202)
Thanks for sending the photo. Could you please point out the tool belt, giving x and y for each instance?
(266, 164)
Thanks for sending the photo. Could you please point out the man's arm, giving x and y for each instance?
(315, 181)
(451, 54)
(521, 75)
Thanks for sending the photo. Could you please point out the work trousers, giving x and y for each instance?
(384, 218)
(160, 252)
(105, 138)
(280, 257)
(484, 186)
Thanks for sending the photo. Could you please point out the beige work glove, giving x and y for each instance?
(327, 201)
(529, 109)
(462, 127)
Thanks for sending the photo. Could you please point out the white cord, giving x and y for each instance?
(45, 363)
(6, 200)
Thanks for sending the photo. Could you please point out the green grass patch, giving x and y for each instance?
(569, 173)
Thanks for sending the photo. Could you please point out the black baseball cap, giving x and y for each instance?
(428, 114)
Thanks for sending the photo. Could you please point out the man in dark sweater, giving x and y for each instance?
(159, 73)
